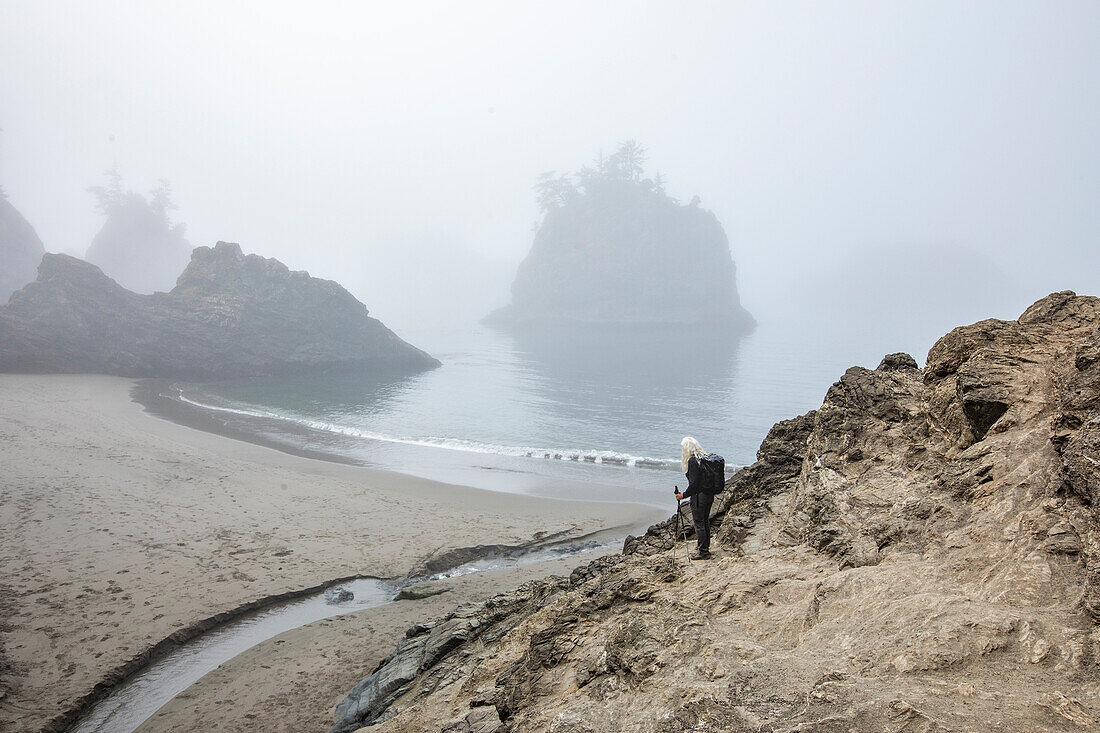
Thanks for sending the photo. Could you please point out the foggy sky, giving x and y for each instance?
(331, 138)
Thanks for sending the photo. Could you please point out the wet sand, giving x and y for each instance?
(121, 529)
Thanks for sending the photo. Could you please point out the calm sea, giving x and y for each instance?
(589, 414)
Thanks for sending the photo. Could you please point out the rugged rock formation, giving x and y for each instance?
(229, 315)
(20, 250)
(921, 553)
(618, 250)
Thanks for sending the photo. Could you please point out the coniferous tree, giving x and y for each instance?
(138, 246)
(553, 191)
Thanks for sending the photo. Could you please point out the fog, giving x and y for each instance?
(945, 153)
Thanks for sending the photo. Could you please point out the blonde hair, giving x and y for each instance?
(690, 447)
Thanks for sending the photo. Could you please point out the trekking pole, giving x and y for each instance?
(681, 531)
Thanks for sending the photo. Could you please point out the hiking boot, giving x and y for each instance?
(700, 555)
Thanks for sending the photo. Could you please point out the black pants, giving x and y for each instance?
(700, 515)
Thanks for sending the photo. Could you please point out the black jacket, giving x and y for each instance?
(696, 481)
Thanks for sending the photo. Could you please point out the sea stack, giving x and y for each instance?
(20, 250)
(138, 246)
(230, 315)
(614, 249)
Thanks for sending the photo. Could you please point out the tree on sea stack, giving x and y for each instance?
(613, 248)
(139, 246)
(553, 190)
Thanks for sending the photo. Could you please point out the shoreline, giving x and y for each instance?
(555, 473)
(129, 530)
(148, 394)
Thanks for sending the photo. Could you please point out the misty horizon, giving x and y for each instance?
(349, 141)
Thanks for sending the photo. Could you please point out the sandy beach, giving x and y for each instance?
(121, 529)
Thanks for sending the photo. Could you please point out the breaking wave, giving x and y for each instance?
(455, 444)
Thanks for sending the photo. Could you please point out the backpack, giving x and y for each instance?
(714, 473)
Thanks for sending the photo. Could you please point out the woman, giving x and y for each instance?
(691, 453)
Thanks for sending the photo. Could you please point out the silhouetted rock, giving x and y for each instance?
(895, 362)
(903, 558)
(20, 250)
(617, 250)
(230, 315)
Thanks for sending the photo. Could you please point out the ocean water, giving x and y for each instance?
(564, 413)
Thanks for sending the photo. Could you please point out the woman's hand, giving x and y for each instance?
(679, 497)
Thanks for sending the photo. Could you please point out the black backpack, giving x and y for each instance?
(714, 473)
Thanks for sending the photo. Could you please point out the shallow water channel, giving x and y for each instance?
(134, 701)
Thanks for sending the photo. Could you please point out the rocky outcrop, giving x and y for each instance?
(20, 250)
(920, 553)
(229, 315)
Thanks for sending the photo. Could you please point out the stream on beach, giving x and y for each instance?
(131, 703)
(136, 699)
